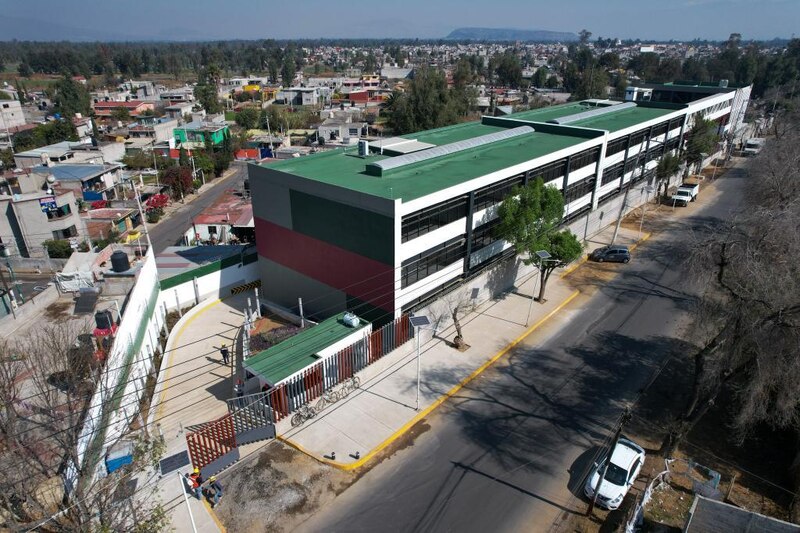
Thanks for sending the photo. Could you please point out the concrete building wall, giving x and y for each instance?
(11, 114)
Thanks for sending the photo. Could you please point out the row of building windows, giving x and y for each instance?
(484, 235)
(587, 157)
(433, 217)
(579, 189)
(551, 171)
(612, 173)
(496, 192)
(432, 260)
(617, 145)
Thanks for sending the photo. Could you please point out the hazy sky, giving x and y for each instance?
(255, 19)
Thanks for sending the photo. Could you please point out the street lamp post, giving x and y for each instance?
(543, 256)
(418, 322)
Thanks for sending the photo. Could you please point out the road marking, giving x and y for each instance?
(213, 515)
(439, 401)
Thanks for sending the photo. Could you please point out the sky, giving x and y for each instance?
(182, 20)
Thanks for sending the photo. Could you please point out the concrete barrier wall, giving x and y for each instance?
(34, 264)
(33, 305)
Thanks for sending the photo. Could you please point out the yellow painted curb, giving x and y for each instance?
(213, 515)
(172, 352)
(439, 401)
(640, 241)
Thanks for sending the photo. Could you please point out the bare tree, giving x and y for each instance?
(749, 316)
(46, 384)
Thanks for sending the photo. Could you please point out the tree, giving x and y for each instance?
(509, 70)
(584, 36)
(288, 70)
(58, 248)
(702, 140)
(7, 159)
(48, 484)
(248, 117)
(121, 114)
(179, 179)
(24, 70)
(207, 96)
(71, 97)
(552, 82)
(540, 77)
(529, 220)
(668, 166)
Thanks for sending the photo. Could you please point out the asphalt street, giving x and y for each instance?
(510, 452)
(169, 231)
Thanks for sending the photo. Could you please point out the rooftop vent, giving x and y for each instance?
(599, 111)
(379, 167)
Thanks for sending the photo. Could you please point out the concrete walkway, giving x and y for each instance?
(196, 385)
(352, 431)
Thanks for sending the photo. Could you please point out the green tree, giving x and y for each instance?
(668, 166)
(427, 104)
(248, 117)
(71, 97)
(7, 159)
(552, 82)
(206, 94)
(540, 77)
(288, 70)
(24, 70)
(509, 70)
(179, 179)
(183, 157)
(584, 36)
(702, 140)
(58, 248)
(121, 114)
(529, 220)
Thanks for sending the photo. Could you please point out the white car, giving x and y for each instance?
(627, 459)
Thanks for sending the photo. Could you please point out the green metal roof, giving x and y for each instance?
(300, 351)
(343, 168)
(427, 177)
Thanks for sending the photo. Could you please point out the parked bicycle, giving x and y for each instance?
(330, 396)
(349, 386)
(305, 412)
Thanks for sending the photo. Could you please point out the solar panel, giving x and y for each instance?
(446, 149)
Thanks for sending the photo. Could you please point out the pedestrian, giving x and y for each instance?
(224, 352)
(239, 390)
(196, 482)
(216, 486)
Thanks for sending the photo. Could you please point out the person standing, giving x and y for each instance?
(216, 486)
(225, 353)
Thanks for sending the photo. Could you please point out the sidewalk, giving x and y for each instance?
(369, 420)
(196, 385)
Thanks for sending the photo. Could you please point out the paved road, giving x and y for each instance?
(169, 231)
(510, 450)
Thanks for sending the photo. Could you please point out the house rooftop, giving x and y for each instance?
(296, 353)
(182, 261)
(230, 208)
(70, 172)
(199, 125)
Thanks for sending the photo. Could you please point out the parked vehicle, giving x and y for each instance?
(618, 254)
(626, 462)
(686, 193)
(753, 146)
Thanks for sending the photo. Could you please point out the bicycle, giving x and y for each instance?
(302, 414)
(328, 397)
(349, 386)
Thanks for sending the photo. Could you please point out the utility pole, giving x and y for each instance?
(626, 416)
(10, 294)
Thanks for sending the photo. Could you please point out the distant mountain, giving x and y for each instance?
(510, 34)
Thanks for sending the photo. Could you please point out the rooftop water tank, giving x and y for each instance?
(119, 261)
(351, 320)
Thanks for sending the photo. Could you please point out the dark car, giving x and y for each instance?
(620, 254)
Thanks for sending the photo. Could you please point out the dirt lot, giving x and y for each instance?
(277, 490)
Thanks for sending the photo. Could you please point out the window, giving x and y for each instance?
(496, 193)
(62, 234)
(551, 171)
(675, 123)
(616, 146)
(433, 217)
(484, 235)
(660, 129)
(579, 189)
(612, 173)
(59, 212)
(587, 157)
(212, 229)
(638, 137)
(433, 260)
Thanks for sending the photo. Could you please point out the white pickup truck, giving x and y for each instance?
(686, 193)
(753, 146)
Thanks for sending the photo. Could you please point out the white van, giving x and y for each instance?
(753, 146)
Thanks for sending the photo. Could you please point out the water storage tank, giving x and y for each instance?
(363, 148)
(119, 261)
(351, 320)
(103, 319)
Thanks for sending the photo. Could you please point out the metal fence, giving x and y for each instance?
(311, 383)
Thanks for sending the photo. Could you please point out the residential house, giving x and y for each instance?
(11, 114)
(70, 152)
(134, 107)
(229, 220)
(182, 94)
(342, 129)
(196, 133)
(152, 128)
(89, 182)
(103, 222)
(303, 95)
(179, 109)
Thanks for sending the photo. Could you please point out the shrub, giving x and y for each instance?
(58, 249)
(268, 339)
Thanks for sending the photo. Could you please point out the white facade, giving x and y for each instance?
(11, 114)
